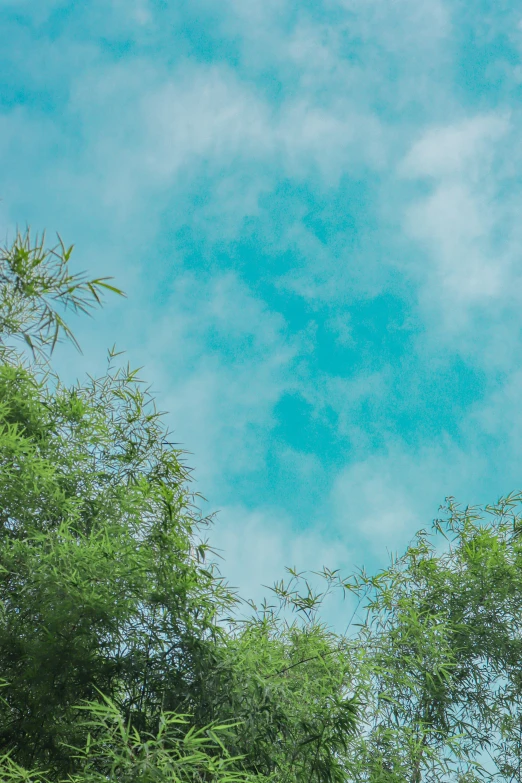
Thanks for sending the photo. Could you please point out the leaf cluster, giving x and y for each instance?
(36, 288)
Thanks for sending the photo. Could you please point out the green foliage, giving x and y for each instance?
(34, 280)
(122, 650)
(109, 595)
(441, 650)
(288, 684)
(116, 751)
(99, 583)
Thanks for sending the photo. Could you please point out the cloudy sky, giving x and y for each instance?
(315, 208)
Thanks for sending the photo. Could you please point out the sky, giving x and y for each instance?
(315, 209)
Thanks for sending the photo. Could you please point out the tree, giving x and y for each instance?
(441, 649)
(110, 599)
(289, 682)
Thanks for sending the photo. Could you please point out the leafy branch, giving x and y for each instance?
(37, 287)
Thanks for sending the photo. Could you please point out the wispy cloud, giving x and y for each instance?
(468, 233)
(222, 361)
(381, 501)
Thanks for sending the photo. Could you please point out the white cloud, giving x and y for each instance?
(422, 20)
(332, 271)
(207, 116)
(468, 229)
(385, 498)
(222, 361)
(152, 130)
(462, 149)
(141, 11)
(497, 420)
(283, 30)
(455, 225)
(356, 402)
(340, 324)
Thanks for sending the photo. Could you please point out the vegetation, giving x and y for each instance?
(122, 651)
(107, 595)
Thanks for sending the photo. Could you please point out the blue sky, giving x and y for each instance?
(316, 211)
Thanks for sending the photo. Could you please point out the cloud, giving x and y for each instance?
(455, 224)
(468, 231)
(380, 501)
(147, 131)
(222, 360)
(353, 405)
(337, 272)
(206, 117)
(462, 149)
(398, 27)
(495, 424)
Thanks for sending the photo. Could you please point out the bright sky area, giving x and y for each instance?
(315, 208)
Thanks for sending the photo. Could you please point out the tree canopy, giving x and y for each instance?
(123, 652)
(109, 596)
